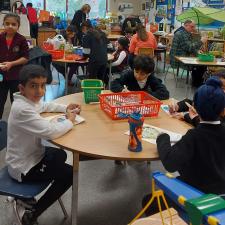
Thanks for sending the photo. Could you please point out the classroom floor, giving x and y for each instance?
(108, 194)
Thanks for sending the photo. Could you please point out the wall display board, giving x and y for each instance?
(165, 9)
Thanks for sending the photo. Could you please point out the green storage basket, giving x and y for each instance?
(206, 57)
(92, 88)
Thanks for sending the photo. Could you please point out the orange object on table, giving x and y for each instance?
(74, 57)
(44, 16)
(129, 102)
(56, 54)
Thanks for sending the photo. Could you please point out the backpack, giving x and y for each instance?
(38, 56)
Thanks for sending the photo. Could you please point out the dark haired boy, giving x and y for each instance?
(26, 158)
(141, 79)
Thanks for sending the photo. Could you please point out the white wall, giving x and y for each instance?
(113, 5)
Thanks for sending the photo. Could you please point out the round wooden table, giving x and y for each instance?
(101, 137)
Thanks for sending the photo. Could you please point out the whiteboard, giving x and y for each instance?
(24, 24)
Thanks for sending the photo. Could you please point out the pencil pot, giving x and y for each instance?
(92, 88)
(135, 121)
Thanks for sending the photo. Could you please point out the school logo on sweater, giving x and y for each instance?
(16, 49)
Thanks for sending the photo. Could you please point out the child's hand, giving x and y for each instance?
(125, 89)
(6, 66)
(70, 115)
(173, 107)
(74, 107)
(192, 112)
(177, 115)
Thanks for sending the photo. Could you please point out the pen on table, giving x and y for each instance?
(190, 107)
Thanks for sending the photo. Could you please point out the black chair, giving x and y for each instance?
(20, 192)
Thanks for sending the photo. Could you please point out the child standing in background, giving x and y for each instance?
(14, 54)
(27, 159)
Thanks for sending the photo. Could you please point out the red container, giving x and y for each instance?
(47, 46)
(56, 54)
(129, 102)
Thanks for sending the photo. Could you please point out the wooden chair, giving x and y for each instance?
(146, 51)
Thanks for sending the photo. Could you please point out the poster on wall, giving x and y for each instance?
(125, 8)
(161, 11)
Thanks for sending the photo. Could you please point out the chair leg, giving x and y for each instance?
(63, 208)
(16, 212)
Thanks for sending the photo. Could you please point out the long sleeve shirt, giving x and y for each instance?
(26, 128)
(18, 48)
(183, 45)
(136, 43)
(153, 85)
(199, 157)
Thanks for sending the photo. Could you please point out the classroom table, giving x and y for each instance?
(101, 137)
(156, 219)
(79, 62)
(114, 37)
(193, 61)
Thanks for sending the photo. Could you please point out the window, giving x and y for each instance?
(98, 7)
(56, 6)
(37, 4)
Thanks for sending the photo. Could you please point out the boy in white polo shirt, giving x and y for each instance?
(26, 158)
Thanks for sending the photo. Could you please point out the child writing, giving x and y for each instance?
(120, 55)
(199, 156)
(185, 111)
(141, 79)
(26, 158)
(14, 53)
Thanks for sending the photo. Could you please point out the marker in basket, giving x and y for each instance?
(190, 107)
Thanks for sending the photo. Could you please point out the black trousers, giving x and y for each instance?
(5, 87)
(51, 168)
(197, 75)
(34, 30)
(97, 71)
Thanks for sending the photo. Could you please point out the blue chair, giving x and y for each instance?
(19, 191)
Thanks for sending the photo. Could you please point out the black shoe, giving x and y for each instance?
(29, 218)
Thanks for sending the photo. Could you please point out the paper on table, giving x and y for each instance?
(150, 134)
(58, 118)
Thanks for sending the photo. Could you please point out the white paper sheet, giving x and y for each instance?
(150, 134)
(78, 119)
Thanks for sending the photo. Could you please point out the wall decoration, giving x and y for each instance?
(161, 11)
(125, 8)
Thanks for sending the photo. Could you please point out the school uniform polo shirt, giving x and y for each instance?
(18, 48)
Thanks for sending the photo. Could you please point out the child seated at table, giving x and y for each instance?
(184, 111)
(26, 158)
(142, 78)
(120, 55)
(199, 156)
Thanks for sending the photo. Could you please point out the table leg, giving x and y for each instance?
(177, 75)
(74, 205)
(66, 79)
(187, 81)
(164, 65)
(110, 73)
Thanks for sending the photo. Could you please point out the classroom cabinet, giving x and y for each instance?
(44, 34)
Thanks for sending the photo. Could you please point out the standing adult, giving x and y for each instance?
(186, 43)
(33, 20)
(95, 48)
(79, 17)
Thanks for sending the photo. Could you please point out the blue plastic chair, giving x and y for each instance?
(19, 191)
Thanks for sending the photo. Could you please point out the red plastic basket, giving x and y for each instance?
(56, 54)
(47, 46)
(128, 102)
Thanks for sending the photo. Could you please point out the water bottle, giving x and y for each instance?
(135, 121)
(1, 77)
